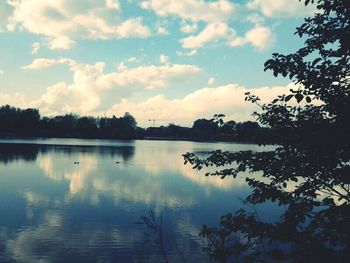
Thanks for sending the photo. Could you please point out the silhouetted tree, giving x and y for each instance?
(27, 122)
(14, 120)
(59, 126)
(130, 120)
(229, 127)
(86, 127)
(205, 128)
(309, 172)
(247, 130)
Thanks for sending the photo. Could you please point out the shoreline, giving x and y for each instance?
(170, 139)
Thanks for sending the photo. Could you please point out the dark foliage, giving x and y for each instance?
(214, 129)
(309, 172)
(28, 123)
(13, 120)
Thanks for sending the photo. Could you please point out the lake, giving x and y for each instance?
(70, 200)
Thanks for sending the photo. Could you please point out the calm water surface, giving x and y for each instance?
(67, 200)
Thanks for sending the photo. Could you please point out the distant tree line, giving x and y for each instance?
(212, 130)
(29, 123)
(15, 122)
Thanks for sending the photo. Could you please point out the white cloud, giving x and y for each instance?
(63, 22)
(260, 37)
(91, 84)
(121, 66)
(162, 31)
(113, 4)
(82, 96)
(42, 63)
(163, 59)
(194, 10)
(14, 99)
(211, 81)
(1, 72)
(211, 33)
(148, 77)
(228, 99)
(132, 28)
(5, 12)
(64, 98)
(186, 54)
(60, 42)
(35, 47)
(131, 59)
(281, 8)
(255, 19)
(189, 28)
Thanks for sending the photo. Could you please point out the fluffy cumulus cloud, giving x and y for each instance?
(195, 10)
(148, 77)
(228, 99)
(14, 99)
(91, 83)
(63, 21)
(189, 28)
(281, 8)
(217, 17)
(64, 98)
(41, 63)
(92, 87)
(1, 72)
(215, 14)
(260, 37)
(211, 33)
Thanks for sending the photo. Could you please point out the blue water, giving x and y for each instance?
(69, 200)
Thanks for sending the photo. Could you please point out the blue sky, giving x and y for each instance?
(173, 60)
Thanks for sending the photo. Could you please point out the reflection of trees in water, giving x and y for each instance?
(165, 240)
(125, 152)
(155, 238)
(15, 152)
(11, 152)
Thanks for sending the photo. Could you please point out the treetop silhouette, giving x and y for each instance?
(309, 171)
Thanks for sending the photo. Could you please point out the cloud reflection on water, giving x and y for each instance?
(53, 240)
(83, 201)
(150, 176)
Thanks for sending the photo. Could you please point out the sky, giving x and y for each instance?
(170, 60)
